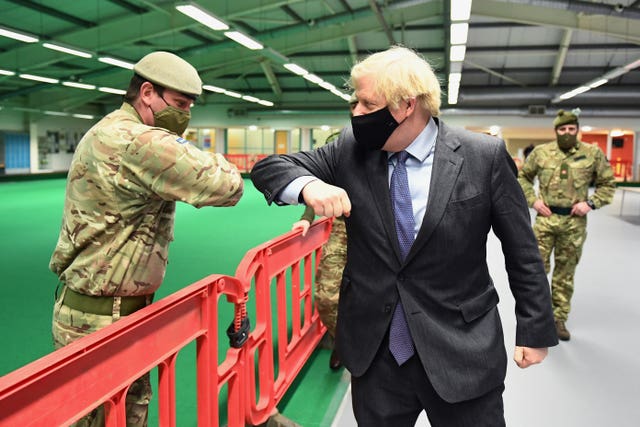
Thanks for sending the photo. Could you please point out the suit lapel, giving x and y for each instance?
(446, 169)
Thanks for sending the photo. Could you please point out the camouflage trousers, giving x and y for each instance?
(69, 325)
(563, 235)
(329, 275)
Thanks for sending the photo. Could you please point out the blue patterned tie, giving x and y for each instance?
(400, 342)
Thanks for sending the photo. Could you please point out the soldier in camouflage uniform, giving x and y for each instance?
(565, 169)
(329, 274)
(125, 178)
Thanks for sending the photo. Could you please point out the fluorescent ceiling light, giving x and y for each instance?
(296, 69)
(23, 37)
(455, 67)
(458, 33)
(202, 16)
(326, 85)
(56, 113)
(117, 62)
(617, 132)
(7, 73)
(597, 83)
(68, 50)
(244, 40)
(83, 116)
(457, 53)
(38, 78)
(79, 85)
(112, 90)
(336, 92)
(631, 66)
(460, 10)
(253, 127)
(232, 94)
(577, 91)
(267, 103)
(313, 78)
(346, 97)
(455, 77)
(250, 98)
(212, 88)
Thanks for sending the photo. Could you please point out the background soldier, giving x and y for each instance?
(565, 169)
(328, 276)
(334, 258)
(126, 175)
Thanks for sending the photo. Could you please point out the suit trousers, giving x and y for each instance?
(393, 396)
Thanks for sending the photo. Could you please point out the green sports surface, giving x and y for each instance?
(207, 241)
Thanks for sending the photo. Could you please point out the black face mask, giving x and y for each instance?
(372, 130)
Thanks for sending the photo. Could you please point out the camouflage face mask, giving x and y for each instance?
(172, 119)
(566, 141)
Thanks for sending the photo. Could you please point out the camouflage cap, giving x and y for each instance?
(169, 71)
(565, 118)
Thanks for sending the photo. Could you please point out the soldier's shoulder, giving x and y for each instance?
(152, 135)
(591, 149)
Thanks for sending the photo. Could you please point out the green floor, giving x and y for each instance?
(207, 241)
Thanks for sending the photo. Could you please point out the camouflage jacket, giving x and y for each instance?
(564, 178)
(124, 180)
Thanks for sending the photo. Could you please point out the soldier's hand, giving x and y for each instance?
(580, 209)
(541, 208)
(303, 225)
(326, 200)
(527, 356)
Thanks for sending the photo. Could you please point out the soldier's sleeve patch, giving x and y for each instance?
(181, 140)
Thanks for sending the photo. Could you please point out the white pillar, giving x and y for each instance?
(34, 158)
(305, 139)
(221, 136)
(635, 158)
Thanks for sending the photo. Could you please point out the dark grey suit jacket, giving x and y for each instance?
(444, 283)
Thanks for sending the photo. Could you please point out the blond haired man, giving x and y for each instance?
(418, 324)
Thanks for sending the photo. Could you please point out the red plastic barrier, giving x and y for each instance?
(61, 387)
(244, 162)
(264, 264)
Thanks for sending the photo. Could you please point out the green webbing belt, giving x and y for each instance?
(102, 305)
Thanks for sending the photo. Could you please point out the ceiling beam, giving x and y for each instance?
(296, 38)
(613, 26)
(271, 77)
(383, 23)
(494, 73)
(562, 55)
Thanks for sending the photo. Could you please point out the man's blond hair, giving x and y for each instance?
(399, 74)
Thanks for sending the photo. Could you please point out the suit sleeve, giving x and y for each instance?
(271, 175)
(527, 278)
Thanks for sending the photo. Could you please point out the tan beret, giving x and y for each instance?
(565, 118)
(170, 71)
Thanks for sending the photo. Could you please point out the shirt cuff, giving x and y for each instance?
(291, 194)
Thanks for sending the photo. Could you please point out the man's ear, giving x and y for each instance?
(146, 92)
(411, 105)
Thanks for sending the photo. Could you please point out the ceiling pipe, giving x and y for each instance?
(591, 8)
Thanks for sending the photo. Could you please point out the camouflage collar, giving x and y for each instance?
(131, 110)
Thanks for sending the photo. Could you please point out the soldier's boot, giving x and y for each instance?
(279, 420)
(562, 331)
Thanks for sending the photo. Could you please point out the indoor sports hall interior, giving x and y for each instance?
(275, 82)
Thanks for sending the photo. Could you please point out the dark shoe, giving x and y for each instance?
(334, 361)
(279, 420)
(562, 331)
